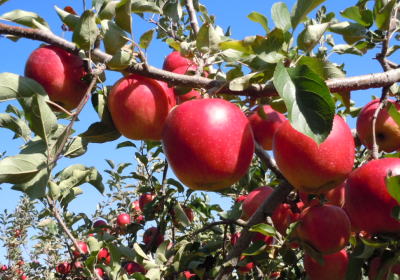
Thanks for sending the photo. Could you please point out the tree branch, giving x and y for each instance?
(375, 80)
(193, 17)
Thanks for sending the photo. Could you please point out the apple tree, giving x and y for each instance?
(263, 121)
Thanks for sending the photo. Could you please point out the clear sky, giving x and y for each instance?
(228, 13)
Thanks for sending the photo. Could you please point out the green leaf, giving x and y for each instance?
(121, 60)
(311, 35)
(351, 32)
(281, 16)
(126, 144)
(241, 83)
(241, 46)
(26, 18)
(76, 148)
(32, 98)
(114, 37)
(392, 110)
(100, 132)
(308, 100)
(146, 39)
(173, 10)
(383, 12)
(78, 174)
(21, 168)
(68, 19)
(142, 6)
(393, 186)
(259, 18)
(177, 184)
(363, 17)
(302, 8)
(36, 187)
(180, 215)
(346, 49)
(140, 251)
(16, 125)
(396, 213)
(86, 31)
(255, 249)
(264, 229)
(54, 190)
(208, 38)
(354, 271)
(107, 11)
(123, 15)
(3, 1)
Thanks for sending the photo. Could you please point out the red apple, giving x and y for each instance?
(145, 199)
(367, 200)
(175, 60)
(375, 266)
(334, 266)
(285, 215)
(104, 256)
(310, 167)
(123, 219)
(23, 277)
(60, 73)
(188, 274)
(193, 94)
(334, 196)
(234, 238)
(244, 269)
(325, 227)
(208, 143)
(136, 206)
(99, 271)
(83, 246)
(240, 198)
(3, 268)
(99, 224)
(63, 268)
(139, 107)
(264, 238)
(254, 199)
(265, 121)
(387, 130)
(148, 236)
(132, 267)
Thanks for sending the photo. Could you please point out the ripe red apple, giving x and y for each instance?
(175, 60)
(325, 227)
(240, 198)
(145, 199)
(63, 268)
(148, 236)
(99, 224)
(83, 246)
(254, 199)
(334, 196)
(285, 215)
(367, 200)
(123, 219)
(264, 238)
(387, 130)
(193, 94)
(208, 143)
(334, 266)
(104, 256)
(376, 264)
(265, 121)
(99, 271)
(136, 206)
(132, 267)
(3, 268)
(244, 269)
(139, 107)
(188, 274)
(310, 167)
(60, 73)
(23, 277)
(234, 238)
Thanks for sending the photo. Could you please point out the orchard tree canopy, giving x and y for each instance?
(262, 121)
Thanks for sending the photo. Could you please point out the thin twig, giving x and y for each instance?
(217, 223)
(269, 162)
(193, 17)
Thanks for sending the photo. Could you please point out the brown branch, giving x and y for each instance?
(264, 210)
(193, 17)
(375, 80)
(269, 162)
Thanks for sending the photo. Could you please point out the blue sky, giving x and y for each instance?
(228, 13)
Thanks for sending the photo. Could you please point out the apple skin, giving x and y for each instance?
(366, 192)
(63, 268)
(254, 199)
(326, 228)
(208, 143)
(193, 94)
(99, 224)
(387, 130)
(104, 256)
(60, 73)
(175, 60)
(334, 196)
(145, 199)
(265, 124)
(123, 219)
(99, 271)
(139, 107)
(132, 267)
(310, 167)
(83, 247)
(148, 235)
(334, 266)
